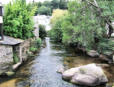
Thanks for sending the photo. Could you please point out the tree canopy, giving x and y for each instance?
(18, 20)
(86, 24)
(47, 7)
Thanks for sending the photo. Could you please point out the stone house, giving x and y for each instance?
(8, 47)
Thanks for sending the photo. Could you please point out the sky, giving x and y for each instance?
(6, 1)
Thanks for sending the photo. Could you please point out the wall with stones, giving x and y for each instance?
(6, 54)
(22, 50)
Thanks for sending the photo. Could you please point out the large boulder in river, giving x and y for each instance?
(93, 53)
(89, 75)
(68, 74)
(84, 79)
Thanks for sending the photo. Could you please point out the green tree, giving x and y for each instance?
(18, 20)
(85, 24)
(56, 21)
(55, 4)
(42, 31)
(56, 32)
(63, 4)
(43, 10)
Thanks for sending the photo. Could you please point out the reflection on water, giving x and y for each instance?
(41, 72)
(10, 83)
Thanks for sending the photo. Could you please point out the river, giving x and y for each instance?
(41, 71)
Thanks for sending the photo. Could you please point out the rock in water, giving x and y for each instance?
(84, 79)
(93, 53)
(61, 70)
(89, 75)
(68, 74)
(10, 73)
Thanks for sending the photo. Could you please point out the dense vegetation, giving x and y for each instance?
(84, 26)
(56, 32)
(42, 31)
(47, 7)
(18, 19)
(35, 45)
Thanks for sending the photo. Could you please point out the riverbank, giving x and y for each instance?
(77, 60)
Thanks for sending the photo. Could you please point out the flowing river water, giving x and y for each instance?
(42, 70)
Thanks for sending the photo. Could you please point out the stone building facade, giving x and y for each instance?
(10, 47)
(6, 54)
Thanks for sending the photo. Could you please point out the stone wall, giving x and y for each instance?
(6, 54)
(22, 50)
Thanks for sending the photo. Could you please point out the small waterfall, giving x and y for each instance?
(47, 39)
(44, 20)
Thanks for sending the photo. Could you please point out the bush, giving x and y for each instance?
(47, 7)
(18, 20)
(56, 33)
(42, 31)
(33, 49)
(43, 10)
(57, 15)
(38, 42)
(57, 18)
(83, 25)
(62, 4)
(105, 45)
(15, 58)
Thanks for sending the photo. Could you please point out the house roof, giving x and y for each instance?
(10, 41)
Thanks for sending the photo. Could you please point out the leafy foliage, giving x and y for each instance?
(47, 7)
(56, 33)
(84, 25)
(38, 42)
(43, 10)
(15, 58)
(57, 14)
(61, 4)
(42, 31)
(18, 19)
(33, 49)
(57, 18)
(106, 45)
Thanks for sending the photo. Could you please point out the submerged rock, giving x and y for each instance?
(84, 79)
(89, 75)
(10, 73)
(68, 74)
(61, 70)
(93, 53)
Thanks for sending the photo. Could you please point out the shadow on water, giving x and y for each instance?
(41, 71)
